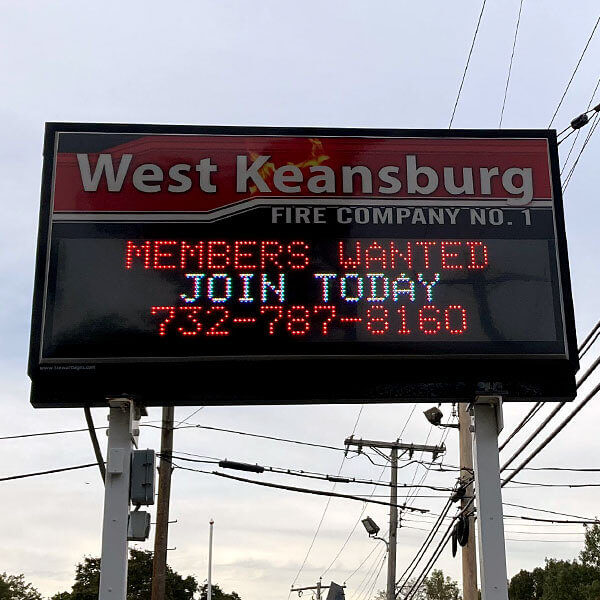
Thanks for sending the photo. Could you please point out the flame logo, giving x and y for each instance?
(317, 157)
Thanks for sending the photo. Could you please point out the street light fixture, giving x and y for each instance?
(434, 415)
(373, 529)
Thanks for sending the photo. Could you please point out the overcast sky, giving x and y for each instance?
(330, 63)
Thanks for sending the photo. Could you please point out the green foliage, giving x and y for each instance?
(13, 587)
(558, 580)
(139, 580)
(527, 586)
(564, 580)
(590, 555)
(438, 587)
(217, 593)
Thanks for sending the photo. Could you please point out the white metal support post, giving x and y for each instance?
(487, 413)
(113, 564)
(210, 544)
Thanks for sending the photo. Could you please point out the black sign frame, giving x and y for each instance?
(301, 379)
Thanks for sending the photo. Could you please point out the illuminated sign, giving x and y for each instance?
(226, 265)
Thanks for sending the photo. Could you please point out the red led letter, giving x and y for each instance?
(405, 256)
(349, 262)
(239, 255)
(267, 255)
(143, 250)
(197, 251)
(428, 322)
(480, 262)
(460, 319)
(298, 255)
(216, 259)
(375, 254)
(426, 251)
(158, 254)
(446, 255)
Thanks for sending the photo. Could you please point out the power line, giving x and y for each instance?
(548, 439)
(567, 161)
(425, 545)
(362, 585)
(436, 554)
(552, 485)
(511, 63)
(547, 420)
(256, 435)
(462, 82)
(315, 475)
(544, 510)
(522, 424)
(368, 595)
(595, 328)
(49, 472)
(43, 433)
(574, 71)
(362, 563)
(595, 121)
(318, 529)
(291, 488)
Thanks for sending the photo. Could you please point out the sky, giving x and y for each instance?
(330, 63)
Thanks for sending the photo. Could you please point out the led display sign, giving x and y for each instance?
(227, 265)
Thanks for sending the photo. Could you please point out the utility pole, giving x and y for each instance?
(393, 539)
(318, 589)
(159, 563)
(391, 574)
(469, 552)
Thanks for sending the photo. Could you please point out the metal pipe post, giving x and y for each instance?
(210, 545)
(113, 564)
(487, 413)
(391, 575)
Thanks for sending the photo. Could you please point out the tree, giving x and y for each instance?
(564, 580)
(13, 587)
(590, 555)
(438, 587)
(139, 580)
(217, 593)
(527, 585)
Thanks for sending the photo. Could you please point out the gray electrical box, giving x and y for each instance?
(138, 529)
(143, 469)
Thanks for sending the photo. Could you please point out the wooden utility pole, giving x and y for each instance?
(159, 563)
(469, 552)
(393, 535)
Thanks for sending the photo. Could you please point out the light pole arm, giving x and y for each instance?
(387, 545)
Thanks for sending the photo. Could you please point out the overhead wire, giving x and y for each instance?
(362, 512)
(522, 424)
(511, 63)
(319, 525)
(48, 472)
(462, 81)
(549, 438)
(574, 72)
(368, 595)
(566, 161)
(594, 124)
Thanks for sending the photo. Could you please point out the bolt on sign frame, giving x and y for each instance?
(246, 265)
